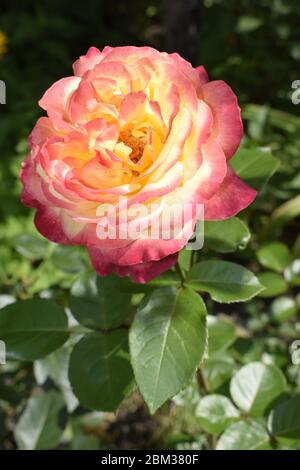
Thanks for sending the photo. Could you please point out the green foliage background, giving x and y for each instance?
(255, 47)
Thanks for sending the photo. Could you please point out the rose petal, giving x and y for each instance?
(58, 95)
(228, 126)
(87, 62)
(142, 272)
(233, 196)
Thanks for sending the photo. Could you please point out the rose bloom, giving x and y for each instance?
(140, 126)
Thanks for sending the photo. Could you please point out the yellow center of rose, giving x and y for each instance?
(135, 143)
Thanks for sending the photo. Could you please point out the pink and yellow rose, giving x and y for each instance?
(138, 125)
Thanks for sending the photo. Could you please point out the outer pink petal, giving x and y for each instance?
(197, 75)
(115, 71)
(203, 76)
(141, 272)
(206, 181)
(212, 172)
(145, 272)
(48, 223)
(233, 196)
(78, 103)
(130, 54)
(32, 194)
(42, 130)
(57, 96)
(145, 249)
(56, 225)
(228, 126)
(88, 61)
(186, 87)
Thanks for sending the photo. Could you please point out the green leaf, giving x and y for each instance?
(184, 259)
(56, 367)
(98, 302)
(294, 183)
(84, 441)
(284, 214)
(84, 431)
(100, 371)
(284, 419)
(283, 309)
(296, 247)
(226, 236)
(166, 279)
(225, 281)
(30, 246)
(247, 24)
(46, 276)
(274, 284)
(257, 123)
(292, 273)
(215, 412)
(255, 166)
(275, 256)
(298, 300)
(218, 372)
(68, 259)
(167, 342)
(255, 386)
(244, 435)
(221, 334)
(32, 329)
(6, 299)
(42, 423)
(277, 118)
(246, 350)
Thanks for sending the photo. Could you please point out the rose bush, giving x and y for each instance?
(140, 125)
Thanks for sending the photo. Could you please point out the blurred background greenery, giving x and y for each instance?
(254, 45)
